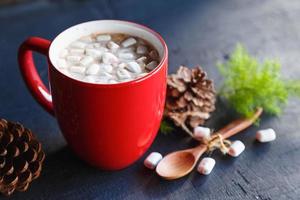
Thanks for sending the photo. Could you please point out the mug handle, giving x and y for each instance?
(30, 74)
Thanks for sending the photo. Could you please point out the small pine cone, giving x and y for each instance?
(190, 99)
(21, 157)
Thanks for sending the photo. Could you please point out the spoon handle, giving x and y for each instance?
(229, 130)
(239, 125)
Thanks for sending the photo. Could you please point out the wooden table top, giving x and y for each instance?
(197, 32)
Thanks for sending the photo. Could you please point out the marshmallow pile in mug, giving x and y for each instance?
(108, 58)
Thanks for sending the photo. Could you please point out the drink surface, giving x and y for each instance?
(108, 58)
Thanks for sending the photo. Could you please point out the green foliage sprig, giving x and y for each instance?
(165, 127)
(249, 84)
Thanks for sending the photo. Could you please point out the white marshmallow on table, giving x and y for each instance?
(76, 51)
(141, 49)
(93, 52)
(109, 58)
(123, 74)
(87, 60)
(92, 69)
(112, 45)
(73, 59)
(63, 53)
(101, 38)
(236, 148)
(206, 165)
(202, 133)
(266, 135)
(128, 42)
(151, 65)
(79, 45)
(134, 67)
(152, 160)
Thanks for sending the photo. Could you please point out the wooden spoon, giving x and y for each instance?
(178, 164)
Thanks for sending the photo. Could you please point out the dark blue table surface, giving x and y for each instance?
(197, 32)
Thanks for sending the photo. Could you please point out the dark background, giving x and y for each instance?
(197, 32)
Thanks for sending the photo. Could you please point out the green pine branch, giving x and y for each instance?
(250, 84)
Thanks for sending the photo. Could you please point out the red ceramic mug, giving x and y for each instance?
(108, 125)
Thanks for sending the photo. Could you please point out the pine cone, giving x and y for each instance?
(190, 98)
(21, 157)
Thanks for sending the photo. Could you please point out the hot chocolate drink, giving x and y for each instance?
(108, 58)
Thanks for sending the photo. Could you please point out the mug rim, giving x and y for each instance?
(162, 62)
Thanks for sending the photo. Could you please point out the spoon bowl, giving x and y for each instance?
(176, 165)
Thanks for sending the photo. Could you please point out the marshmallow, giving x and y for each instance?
(126, 50)
(128, 42)
(77, 76)
(90, 79)
(87, 60)
(92, 69)
(206, 165)
(266, 135)
(87, 39)
(109, 58)
(134, 67)
(103, 74)
(93, 52)
(77, 69)
(106, 67)
(101, 38)
(73, 59)
(141, 49)
(201, 133)
(122, 65)
(151, 65)
(112, 45)
(236, 148)
(79, 45)
(76, 51)
(142, 59)
(126, 55)
(123, 74)
(102, 80)
(112, 81)
(152, 160)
